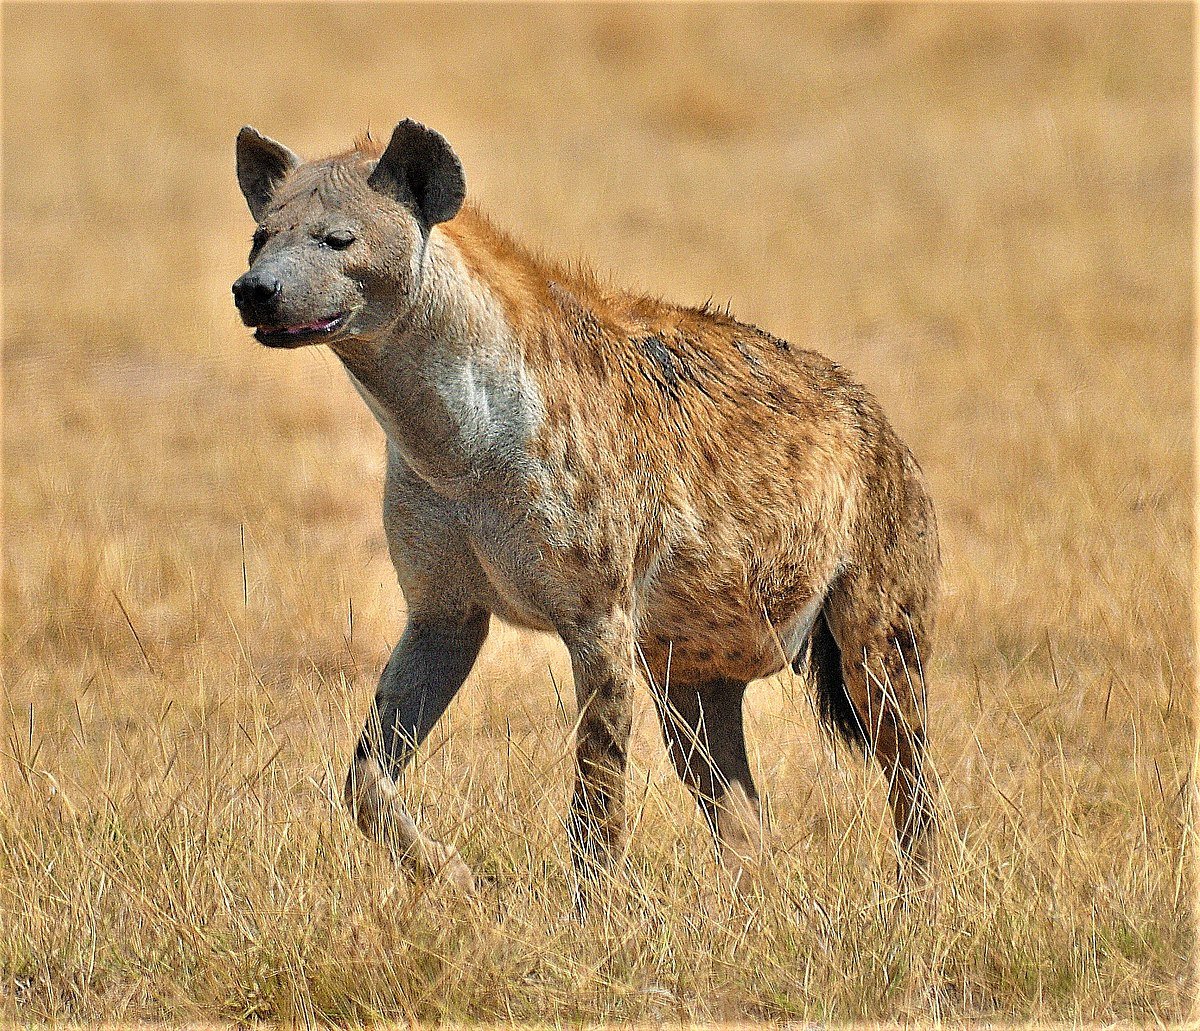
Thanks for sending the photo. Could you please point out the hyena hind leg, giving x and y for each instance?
(868, 665)
(705, 736)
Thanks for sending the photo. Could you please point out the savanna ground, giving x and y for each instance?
(984, 212)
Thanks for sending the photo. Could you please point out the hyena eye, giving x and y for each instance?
(339, 239)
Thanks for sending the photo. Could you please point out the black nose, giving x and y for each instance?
(255, 289)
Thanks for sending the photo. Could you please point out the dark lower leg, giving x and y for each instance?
(597, 823)
(890, 711)
(426, 669)
(704, 734)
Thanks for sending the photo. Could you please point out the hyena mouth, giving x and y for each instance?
(293, 336)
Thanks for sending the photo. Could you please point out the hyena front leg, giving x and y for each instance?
(425, 671)
(602, 663)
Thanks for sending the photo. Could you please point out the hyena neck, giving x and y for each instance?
(448, 384)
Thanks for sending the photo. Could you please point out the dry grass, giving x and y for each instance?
(984, 212)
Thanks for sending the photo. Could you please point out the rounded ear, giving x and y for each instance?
(261, 163)
(419, 170)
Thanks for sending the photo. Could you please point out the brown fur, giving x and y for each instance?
(689, 501)
(799, 484)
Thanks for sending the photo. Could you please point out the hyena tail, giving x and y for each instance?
(834, 707)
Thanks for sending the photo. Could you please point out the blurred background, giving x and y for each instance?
(983, 211)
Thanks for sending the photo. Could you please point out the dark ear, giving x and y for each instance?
(261, 163)
(420, 170)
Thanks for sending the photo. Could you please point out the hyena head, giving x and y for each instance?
(339, 243)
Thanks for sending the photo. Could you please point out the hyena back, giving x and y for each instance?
(687, 501)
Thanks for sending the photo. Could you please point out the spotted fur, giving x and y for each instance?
(688, 501)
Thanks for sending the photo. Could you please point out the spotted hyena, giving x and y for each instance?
(688, 501)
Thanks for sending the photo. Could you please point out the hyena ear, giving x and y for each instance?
(261, 163)
(420, 170)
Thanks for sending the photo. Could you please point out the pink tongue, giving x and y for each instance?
(321, 324)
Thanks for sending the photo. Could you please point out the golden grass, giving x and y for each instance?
(985, 212)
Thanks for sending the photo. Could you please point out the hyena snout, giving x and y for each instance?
(286, 310)
(254, 293)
